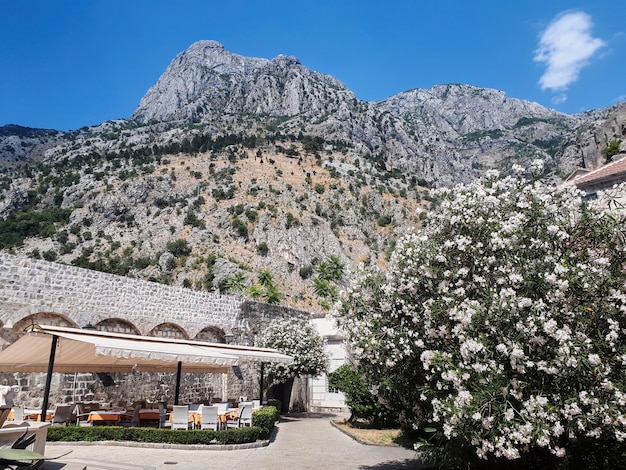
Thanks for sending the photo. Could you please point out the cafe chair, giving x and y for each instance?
(5, 411)
(181, 417)
(18, 414)
(209, 419)
(222, 407)
(62, 415)
(131, 419)
(245, 415)
(162, 415)
(80, 413)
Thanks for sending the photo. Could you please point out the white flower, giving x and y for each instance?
(594, 359)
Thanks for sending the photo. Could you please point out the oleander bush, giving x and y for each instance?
(499, 329)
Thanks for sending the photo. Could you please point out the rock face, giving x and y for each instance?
(233, 166)
(206, 81)
(447, 134)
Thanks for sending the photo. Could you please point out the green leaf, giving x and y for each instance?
(430, 429)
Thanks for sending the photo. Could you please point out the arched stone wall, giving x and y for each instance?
(117, 325)
(29, 287)
(41, 292)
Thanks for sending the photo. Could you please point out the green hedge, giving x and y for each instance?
(265, 418)
(276, 403)
(263, 422)
(167, 436)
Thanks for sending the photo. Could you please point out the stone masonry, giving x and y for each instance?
(36, 291)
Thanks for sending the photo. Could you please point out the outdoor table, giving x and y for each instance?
(195, 417)
(106, 416)
(32, 414)
(149, 413)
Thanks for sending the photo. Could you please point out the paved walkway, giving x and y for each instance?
(300, 442)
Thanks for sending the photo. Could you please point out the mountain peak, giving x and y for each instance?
(206, 81)
(206, 43)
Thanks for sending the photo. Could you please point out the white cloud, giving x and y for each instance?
(566, 46)
(559, 99)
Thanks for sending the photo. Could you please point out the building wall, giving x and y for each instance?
(40, 292)
(321, 397)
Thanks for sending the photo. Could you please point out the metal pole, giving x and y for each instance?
(46, 395)
(261, 382)
(178, 373)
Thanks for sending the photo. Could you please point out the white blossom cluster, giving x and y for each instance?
(298, 338)
(505, 315)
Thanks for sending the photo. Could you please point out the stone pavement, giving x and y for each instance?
(300, 442)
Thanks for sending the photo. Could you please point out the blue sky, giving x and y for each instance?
(67, 64)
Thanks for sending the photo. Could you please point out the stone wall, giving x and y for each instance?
(40, 292)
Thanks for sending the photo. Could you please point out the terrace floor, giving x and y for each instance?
(300, 442)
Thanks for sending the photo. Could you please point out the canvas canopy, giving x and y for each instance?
(98, 351)
(59, 349)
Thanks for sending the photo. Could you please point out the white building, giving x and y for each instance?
(322, 398)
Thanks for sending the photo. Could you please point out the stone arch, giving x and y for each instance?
(169, 330)
(117, 325)
(20, 327)
(211, 334)
(44, 318)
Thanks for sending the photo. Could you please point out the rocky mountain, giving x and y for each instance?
(234, 167)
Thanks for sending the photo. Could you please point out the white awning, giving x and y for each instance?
(97, 351)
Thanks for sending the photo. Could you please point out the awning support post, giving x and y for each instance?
(178, 374)
(46, 395)
(261, 382)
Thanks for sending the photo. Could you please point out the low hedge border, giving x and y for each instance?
(263, 422)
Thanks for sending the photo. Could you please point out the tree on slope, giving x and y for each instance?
(500, 325)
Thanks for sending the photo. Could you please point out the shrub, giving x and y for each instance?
(49, 255)
(192, 219)
(306, 271)
(166, 436)
(384, 220)
(262, 249)
(362, 402)
(265, 418)
(291, 221)
(178, 247)
(296, 337)
(15, 228)
(275, 402)
(611, 149)
(500, 324)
